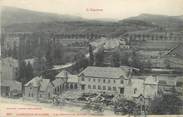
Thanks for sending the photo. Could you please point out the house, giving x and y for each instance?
(141, 89)
(59, 86)
(103, 79)
(168, 84)
(10, 88)
(69, 81)
(38, 88)
(73, 81)
(9, 68)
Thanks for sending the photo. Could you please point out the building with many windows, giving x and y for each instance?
(103, 79)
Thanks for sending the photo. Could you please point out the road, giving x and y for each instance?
(23, 108)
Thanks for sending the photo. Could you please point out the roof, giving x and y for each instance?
(57, 67)
(9, 82)
(44, 84)
(13, 84)
(10, 61)
(104, 72)
(112, 43)
(35, 82)
(73, 78)
(62, 74)
(38, 81)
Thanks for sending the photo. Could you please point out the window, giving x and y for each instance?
(71, 86)
(94, 80)
(75, 86)
(104, 81)
(121, 90)
(114, 88)
(109, 81)
(135, 91)
(114, 81)
(83, 79)
(89, 79)
(98, 80)
(99, 87)
(89, 86)
(40, 96)
(121, 81)
(29, 94)
(94, 86)
(109, 88)
(104, 87)
(32, 95)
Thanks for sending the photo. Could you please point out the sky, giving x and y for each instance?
(101, 9)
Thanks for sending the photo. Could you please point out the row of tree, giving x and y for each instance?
(25, 72)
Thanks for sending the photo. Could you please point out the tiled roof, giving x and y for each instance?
(73, 78)
(104, 72)
(44, 84)
(39, 82)
(62, 74)
(35, 82)
(13, 84)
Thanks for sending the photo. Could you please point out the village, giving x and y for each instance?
(129, 74)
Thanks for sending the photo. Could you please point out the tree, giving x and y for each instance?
(116, 59)
(29, 72)
(167, 104)
(125, 59)
(80, 62)
(22, 73)
(99, 58)
(49, 58)
(91, 55)
(58, 54)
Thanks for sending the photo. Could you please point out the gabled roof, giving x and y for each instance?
(73, 79)
(35, 82)
(44, 84)
(38, 81)
(9, 82)
(104, 72)
(62, 74)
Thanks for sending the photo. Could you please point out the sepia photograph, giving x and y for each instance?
(64, 58)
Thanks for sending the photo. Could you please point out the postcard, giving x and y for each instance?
(63, 58)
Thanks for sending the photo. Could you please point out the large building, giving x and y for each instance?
(103, 79)
(10, 88)
(38, 88)
(9, 68)
(153, 40)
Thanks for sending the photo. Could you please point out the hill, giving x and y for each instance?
(21, 20)
(11, 15)
(172, 23)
